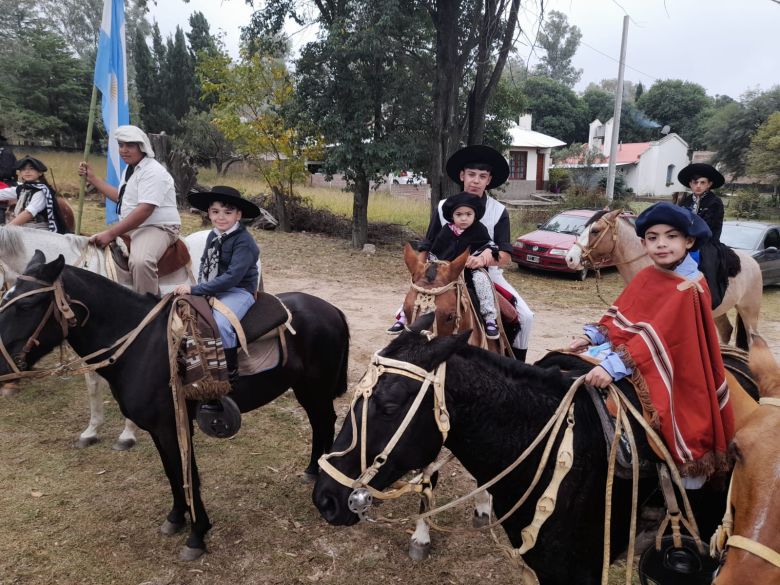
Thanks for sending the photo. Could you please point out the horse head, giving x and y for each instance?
(597, 242)
(33, 315)
(395, 425)
(754, 543)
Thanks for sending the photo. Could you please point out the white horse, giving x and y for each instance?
(17, 246)
(612, 237)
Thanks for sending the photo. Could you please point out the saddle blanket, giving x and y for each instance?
(264, 354)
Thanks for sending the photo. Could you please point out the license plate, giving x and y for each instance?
(532, 258)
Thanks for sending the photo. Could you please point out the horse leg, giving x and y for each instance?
(127, 438)
(482, 508)
(168, 447)
(420, 543)
(9, 389)
(322, 418)
(725, 329)
(96, 410)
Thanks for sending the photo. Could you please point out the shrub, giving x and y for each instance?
(560, 180)
(746, 204)
(579, 197)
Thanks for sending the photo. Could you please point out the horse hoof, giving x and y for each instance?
(191, 554)
(480, 520)
(419, 552)
(123, 445)
(85, 442)
(10, 389)
(169, 528)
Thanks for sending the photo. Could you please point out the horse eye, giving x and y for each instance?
(451, 317)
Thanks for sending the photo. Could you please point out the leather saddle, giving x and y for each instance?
(267, 314)
(175, 257)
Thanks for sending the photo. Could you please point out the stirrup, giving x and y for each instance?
(219, 418)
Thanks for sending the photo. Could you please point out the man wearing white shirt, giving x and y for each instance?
(146, 203)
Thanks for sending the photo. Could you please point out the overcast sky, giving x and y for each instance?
(727, 46)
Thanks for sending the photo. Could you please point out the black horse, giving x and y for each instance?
(316, 367)
(497, 406)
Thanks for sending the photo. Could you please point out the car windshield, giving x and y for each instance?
(744, 237)
(566, 224)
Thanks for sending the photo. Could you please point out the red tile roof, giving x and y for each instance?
(630, 152)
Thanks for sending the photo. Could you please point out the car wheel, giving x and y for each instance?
(582, 274)
(395, 182)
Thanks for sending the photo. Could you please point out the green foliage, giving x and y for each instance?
(560, 42)
(556, 109)
(746, 204)
(579, 197)
(731, 128)
(764, 155)
(560, 180)
(506, 106)
(680, 104)
(201, 139)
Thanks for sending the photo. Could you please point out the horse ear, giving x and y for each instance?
(411, 258)
(764, 367)
(445, 346)
(456, 266)
(38, 258)
(52, 270)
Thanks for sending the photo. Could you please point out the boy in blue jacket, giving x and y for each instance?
(228, 269)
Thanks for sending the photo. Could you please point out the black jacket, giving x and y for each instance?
(710, 210)
(448, 246)
(237, 264)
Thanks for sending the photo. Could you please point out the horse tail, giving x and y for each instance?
(742, 340)
(341, 383)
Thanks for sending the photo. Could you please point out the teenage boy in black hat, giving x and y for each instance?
(701, 179)
(228, 271)
(480, 168)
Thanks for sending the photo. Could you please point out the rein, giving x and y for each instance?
(361, 498)
(724, 536)
(588, 249)
(425, 299)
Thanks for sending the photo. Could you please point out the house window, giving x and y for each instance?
(518, 165)
(669, 175)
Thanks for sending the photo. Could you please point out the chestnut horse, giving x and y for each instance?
(612, 237)
(751, 527)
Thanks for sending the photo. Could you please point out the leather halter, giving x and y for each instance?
(587, 250)
(59, 308)
(425, 299)
(724, 536)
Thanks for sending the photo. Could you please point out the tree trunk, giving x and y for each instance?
(281, 209)
(360, 211)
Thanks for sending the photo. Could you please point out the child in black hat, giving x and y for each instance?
(228, 271)
(661, 333)
(36, 203)
(463, 231)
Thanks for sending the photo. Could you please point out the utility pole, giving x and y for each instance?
(613, 149)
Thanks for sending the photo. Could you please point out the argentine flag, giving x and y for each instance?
(111, 80)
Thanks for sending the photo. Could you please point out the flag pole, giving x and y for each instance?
(87, 148)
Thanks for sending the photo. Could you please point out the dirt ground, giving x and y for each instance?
(91, 516)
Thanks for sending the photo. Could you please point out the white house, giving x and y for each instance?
(529, 159)
(649, 168)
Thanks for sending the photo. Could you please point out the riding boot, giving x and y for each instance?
(519, 354)
(221, 417)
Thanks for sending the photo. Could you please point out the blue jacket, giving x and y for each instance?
(237, 264)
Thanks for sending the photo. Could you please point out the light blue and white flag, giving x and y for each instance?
(111, 80)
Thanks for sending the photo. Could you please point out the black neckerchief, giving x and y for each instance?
(128, 173)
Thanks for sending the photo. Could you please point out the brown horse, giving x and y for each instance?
(753, 543)
(439, 286)
(612, 237)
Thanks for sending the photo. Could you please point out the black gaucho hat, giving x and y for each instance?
(464, 199)
(479, 153)
(686, 175)
(680, 217)
(203, 199)
(33, 162)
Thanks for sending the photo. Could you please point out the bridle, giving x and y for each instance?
(362, 494)
(724, 536)
(59, 308)
(612, 225)
(425, 299)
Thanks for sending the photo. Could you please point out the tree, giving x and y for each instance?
(254, 98)
(640, 89)
(507, 105)
(730, 128)
(178, 78)
(763, 158)
(680, 104)
(560, 42)
(556, 109)
(202, 46)
(202, 139)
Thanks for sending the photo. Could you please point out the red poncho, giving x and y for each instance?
(662, 326)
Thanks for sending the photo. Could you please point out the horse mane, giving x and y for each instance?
(11, 242)
(597, 216)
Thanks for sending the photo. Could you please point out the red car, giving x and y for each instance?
(546, 248)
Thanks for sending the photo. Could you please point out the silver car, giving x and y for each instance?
(761, 240)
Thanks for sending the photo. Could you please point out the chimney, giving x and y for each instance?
(524, 122)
